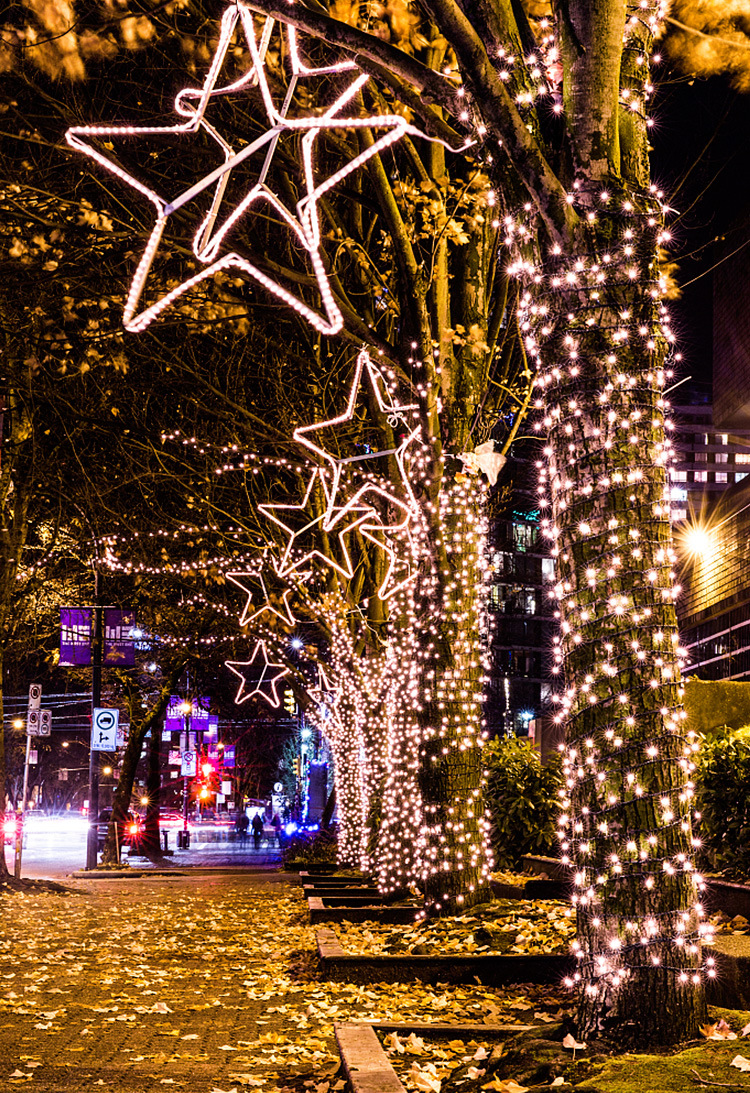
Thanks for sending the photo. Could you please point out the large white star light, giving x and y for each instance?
(258, 671)
(303, 221)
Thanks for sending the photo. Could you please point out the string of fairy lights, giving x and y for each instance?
(627, 837)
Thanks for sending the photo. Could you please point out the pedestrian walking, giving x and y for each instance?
(257, 830)
(243, 823)
(276, 825)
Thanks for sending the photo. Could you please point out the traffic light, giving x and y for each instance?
(298, 767)
(289, 704)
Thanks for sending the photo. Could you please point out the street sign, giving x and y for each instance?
(33, 756)
(175, 758)
(278, 787)
(45, 722)
(35, 696)
(32, 722)
(104, 729)
(189, 764)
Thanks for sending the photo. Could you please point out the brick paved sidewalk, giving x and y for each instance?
(200, 984)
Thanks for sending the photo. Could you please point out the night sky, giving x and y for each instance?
(701, 159)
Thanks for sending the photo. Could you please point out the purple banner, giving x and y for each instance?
(199, 712)
(212, 732)
(119, 644)
(75, 636)
(198, 717)
(213, 754)
(229, 756)
(174, 720)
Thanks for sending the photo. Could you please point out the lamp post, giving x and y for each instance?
(185, 709)
(92, 841)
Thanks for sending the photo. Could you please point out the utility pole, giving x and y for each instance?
(92, 847)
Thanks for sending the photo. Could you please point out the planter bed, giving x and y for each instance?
(343, 897)
(366, 1065)
(474, 1058)
(320, 911)
(731, 986)
(488, 969)
(732, 897)
(333, 880)
(328, 894)
(729, 896)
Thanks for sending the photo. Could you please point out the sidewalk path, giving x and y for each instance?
(200, 984)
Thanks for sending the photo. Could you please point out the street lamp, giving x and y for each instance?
(697, 541)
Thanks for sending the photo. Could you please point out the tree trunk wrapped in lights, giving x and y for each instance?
(458, 858)
(600, 335)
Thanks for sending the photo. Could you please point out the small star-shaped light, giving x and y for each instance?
(283, 614)
(325, 695)
(261, 673)
(399, 573)
(304, 543)
(400, 493)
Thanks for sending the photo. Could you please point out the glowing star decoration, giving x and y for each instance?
(325, 695)
(401, 496)
(258, 671)
(305, 541)
(303, 221)
(284, 615)
(399, 572)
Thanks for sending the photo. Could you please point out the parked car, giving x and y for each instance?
(130, 833)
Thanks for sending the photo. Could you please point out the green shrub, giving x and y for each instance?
(523, 801)
(723, 799)
(309, 848)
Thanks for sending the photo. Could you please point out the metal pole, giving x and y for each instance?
(92, 848)
(19, 819)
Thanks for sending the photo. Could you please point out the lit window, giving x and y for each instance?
(723, 438)
(721, 476)
(738, 477)
(700, 476)
(678, 494)
(679, 476)
(679, 514)
(742, 457)
(548, 569)
(701, 457)
(721, 457)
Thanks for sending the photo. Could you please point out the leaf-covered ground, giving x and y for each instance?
(199, 983)
(502, 926)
